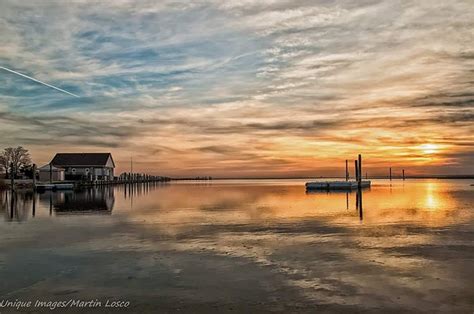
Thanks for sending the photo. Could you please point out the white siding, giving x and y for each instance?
(109, 163)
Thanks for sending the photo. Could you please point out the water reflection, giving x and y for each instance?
(359, 206)
(17, 206)
(88, 201)
(20, 205)
(434, 202)
(336, 193)
(408, 244)
(431, 201)
(260, 202)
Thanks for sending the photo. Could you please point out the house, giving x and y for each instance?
(85, 166)
(51, 173)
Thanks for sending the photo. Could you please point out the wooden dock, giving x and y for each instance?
(123, 179)
(54, 186)
(126, 178)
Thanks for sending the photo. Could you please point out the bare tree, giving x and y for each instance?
(14, 159)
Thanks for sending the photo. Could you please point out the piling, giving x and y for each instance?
(390, 173)
(34, 176)
(347, 171)
(356, 170)
(403, 174)
(360, 171)
(12, 177)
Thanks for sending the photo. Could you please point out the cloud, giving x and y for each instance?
(273, 86)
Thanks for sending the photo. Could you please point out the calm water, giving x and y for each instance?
(246, 245)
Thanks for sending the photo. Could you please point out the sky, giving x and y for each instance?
(251, 88)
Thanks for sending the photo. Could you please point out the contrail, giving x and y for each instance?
(38, 81)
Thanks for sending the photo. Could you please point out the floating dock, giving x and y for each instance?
(336, 185)
(343, 185)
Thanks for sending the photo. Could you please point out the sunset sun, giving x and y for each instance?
(429, 148)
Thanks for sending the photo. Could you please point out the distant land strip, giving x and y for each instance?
(463, 177)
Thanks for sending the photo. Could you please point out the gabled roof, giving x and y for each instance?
(82, 159)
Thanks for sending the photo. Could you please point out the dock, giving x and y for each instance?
(55, 186)
(336, 185)
(358, 183)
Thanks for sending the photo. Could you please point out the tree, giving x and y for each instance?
(14, 159)
(28, 171)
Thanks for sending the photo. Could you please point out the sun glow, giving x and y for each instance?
(429, 148)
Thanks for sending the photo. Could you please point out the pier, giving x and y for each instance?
(358, 183)
(124, 178)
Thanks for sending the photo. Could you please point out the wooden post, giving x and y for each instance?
(12, 177)
(50, 173)
(34, 177)
(403, 174)
(390, 173)
(360, 167)
(360, 171)
(366, 176)
(356, 172)
(347, 171)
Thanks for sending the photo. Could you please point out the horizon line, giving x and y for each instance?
(431, 176)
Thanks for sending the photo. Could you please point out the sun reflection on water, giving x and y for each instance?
(431, 201)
